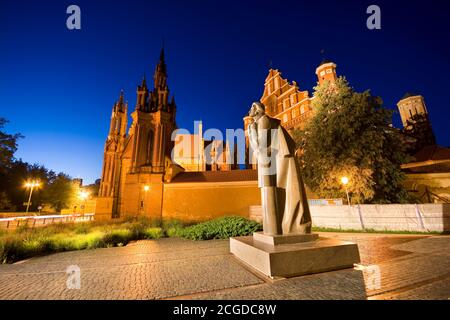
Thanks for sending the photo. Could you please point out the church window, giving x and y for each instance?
(302, 109)
(328, 70)
(294, 113)
(285, 117)
(322, 73)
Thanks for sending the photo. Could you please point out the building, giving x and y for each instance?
(136, 160)
(194, 153)
(285, 101)
(409, 106)
(140, 178)
(428, 175)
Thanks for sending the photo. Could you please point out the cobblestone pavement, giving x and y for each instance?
(410, 267)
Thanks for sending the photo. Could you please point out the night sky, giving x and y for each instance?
(57, 86)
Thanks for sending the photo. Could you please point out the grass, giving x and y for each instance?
(27, 242)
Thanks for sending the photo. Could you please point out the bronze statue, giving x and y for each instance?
(283, 195)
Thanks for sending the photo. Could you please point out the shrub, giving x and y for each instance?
(222, 228)
(173, 228)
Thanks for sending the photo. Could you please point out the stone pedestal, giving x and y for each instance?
(294, 255)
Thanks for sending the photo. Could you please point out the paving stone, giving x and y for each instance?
(411, 267)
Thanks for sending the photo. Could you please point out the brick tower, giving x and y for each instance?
(113, 148)
(326, 71)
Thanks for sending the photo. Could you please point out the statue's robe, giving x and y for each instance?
(291, 193)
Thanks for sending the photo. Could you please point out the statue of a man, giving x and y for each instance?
(283, 195)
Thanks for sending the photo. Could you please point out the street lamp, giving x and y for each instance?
(84, 195)
(31, 185)
(344, 181)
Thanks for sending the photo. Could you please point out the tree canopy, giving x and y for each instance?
(8, 146)
(419, 129)
(351, 135)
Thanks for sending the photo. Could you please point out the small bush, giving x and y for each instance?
(173, 228)
(222, 228)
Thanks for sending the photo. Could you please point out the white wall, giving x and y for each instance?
(392, 217)
(395, 217)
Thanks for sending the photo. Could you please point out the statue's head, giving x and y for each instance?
(257, 110)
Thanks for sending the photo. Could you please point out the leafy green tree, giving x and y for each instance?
(351, 135)
(419, 129)
(60, 192)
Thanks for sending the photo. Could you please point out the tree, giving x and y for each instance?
(13, 183)
(8, 146)
(5, 204)
(419, 129)
(60, 192)
(351, 135)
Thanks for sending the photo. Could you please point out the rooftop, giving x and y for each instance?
(432, 153)
(216, 176)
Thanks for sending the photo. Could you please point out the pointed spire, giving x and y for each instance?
(161, 55)
(121, 97)
(119, 106)
(161, 67)
(160, 76)
(144, 82)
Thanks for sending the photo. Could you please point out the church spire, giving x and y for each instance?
(144, 82)
(120, 106)
(160, 76)
(142, 95)
(121, 97)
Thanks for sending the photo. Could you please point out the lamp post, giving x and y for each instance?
(84, 195)
(344, 181)
(31, 185)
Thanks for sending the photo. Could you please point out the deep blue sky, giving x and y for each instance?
(57, 87)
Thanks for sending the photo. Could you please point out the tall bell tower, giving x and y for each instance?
(153, 123)
(113, 148)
